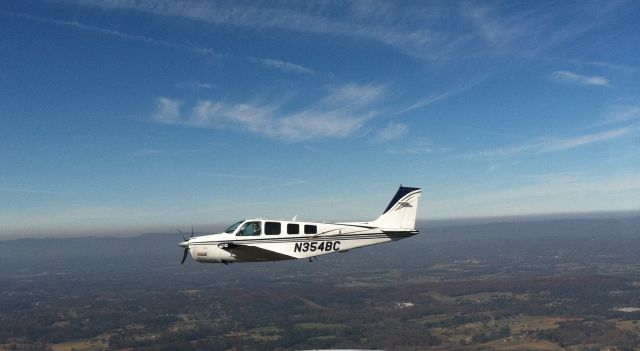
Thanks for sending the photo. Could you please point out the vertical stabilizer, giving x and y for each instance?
(401, 211)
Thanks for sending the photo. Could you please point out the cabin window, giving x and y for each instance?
(250, 229)
(272, 228)
(310, 229)
(293, 228)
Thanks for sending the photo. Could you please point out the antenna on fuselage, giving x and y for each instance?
(294, 218)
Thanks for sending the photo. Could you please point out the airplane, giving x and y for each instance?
(255, 240)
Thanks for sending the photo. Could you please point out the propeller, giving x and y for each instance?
(185, 244)
(184, 255)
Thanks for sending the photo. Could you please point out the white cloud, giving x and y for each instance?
(282, 65)
(533, 30)
(417, 147)
(498, 30)
(354, 95)
(200, 50)
(308, 18)
(562, 144)
(433, 98)
(167, 110)
(574, 78)
(546, 145)
(416, 29)
(123, 35)
(622, 113)
(393, 130)
(194, 85)
(344, 110)
(314, 124)
(607, 65)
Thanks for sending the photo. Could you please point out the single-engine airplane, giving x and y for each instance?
(258, 239)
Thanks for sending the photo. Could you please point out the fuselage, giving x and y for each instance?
(288, 240)
(276, 240)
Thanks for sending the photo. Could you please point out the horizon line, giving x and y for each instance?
(430, 222)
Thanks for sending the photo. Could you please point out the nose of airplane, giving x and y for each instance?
(184, 244)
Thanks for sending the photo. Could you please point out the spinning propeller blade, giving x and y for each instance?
(184, 256)
(185, 244)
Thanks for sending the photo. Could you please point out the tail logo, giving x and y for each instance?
(402, 205)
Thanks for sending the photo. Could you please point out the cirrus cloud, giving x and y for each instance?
(568, 77)
(338, 114)
(392, 131)
(556, 144)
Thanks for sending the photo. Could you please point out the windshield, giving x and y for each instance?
(250, 229)
(233, 227)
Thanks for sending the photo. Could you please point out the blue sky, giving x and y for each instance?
(127, 116)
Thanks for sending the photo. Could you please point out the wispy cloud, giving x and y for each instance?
(622, 113)
(548, 144)
(393, 130)
(123, 35)
(341, 112)
(607, 65)
(358, 19)
(433, 98)
(562, 144)
(196, 49)
(415, 29)
(568, 77)
(194, 85)
(499, 30)
(417, 147)
(618, 114)
(530, 32)
(167, 111)
(282, 65)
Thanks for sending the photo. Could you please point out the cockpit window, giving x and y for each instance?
(250, 229)
(232, 227)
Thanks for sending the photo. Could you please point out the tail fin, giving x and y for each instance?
(401, 211)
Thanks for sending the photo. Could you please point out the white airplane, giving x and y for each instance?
(258, 239)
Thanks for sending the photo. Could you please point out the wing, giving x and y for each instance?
(253, 253)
